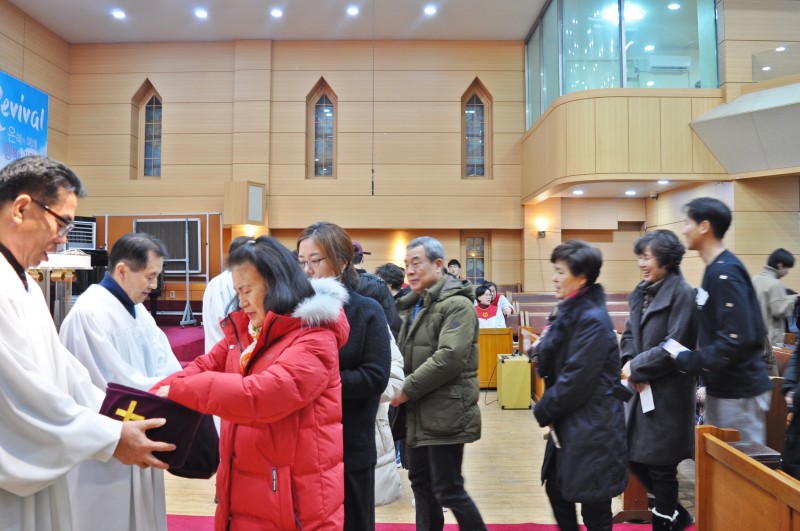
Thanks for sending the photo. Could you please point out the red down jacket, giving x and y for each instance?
(281, 434)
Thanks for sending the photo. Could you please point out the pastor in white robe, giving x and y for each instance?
(115, 347)
(48, 413)
(216, 304)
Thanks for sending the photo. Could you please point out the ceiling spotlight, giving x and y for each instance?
(118, 14)
(780, 49)
(352, 11)
(630, 192)
(276, 12)
(430, 10)
(651, 83)
(674, 6)
(663, 181)
(766, 68)
(200, 13)
(577, 192)
(649, 48)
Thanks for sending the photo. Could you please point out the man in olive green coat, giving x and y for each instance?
(439, 341)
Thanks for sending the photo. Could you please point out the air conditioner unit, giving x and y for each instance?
(83, 235)
(669, 64)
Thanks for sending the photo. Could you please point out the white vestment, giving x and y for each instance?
(48, 413)
(216, 300)
(117, 348)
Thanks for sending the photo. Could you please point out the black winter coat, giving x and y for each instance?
(579, 360)
(374, 287)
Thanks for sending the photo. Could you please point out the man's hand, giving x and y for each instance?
(626, 371)
(402, 398)
(134, 448)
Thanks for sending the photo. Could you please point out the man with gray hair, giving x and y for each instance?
(48, 405)
(439, 341)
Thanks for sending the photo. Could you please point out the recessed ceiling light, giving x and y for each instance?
(663, 181)
(352, 11)
(276, 12)
(200, 13)
(577, 192)
(780, 49)
(630, 192)
(651, 83)
(118, 14)
(633, 13)
(766, 68)
(430, 10)
(673, 6)
(649, 48)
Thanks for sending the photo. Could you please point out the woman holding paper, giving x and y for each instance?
(661, 419)
(585, 460)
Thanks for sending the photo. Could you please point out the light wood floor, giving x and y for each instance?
(501, 471)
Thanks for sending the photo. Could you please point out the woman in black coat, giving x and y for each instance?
(662, 307)
(585, 459)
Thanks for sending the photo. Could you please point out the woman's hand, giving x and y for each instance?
(163, 391)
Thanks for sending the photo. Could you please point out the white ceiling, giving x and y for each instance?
(90, 21)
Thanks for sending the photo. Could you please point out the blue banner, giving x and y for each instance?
(23, 119)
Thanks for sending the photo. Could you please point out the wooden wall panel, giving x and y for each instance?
(11, 56)
(58, 118)
(99, 150)
(506, 149)
(90, 206)
(580, 137)
(45, 76)
(196, 149)
(251, 148)
(507, 117)
(670, 204)
(46, 44)
(251, 172)
(189, 118)
(294, 85)
(405, 117)
(58, 145)
(589, 214)
(676, 135)
(703, 161)
(163, 57)
(434, 86)
(175, 181)
(449, 55)
(611, 135)
(253, 55)
(100, 119)
(631, 210)
(178, 87)
(251, 116)
(421, 148)
(753, 19)
(252, 85)
(644, 122)
(319, 56)
(761, 233)
(12, 22)
(774, 194)
(289, 117)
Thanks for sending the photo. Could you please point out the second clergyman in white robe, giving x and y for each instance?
(117, 348)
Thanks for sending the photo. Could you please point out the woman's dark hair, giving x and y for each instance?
(712, 210)
(134, 249)
(490, 284)
(287, 285)
(392, 274)
(481, 290)
(581, 258)
(664, 245)
(780, 256)
(338, 248)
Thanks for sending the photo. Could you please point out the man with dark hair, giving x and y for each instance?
(219, 299)
(117, 340)
(731, 330)
(394, 276)
(48, 405)
(374, 287)
(454, 268)
(776, 304)
(439, 341)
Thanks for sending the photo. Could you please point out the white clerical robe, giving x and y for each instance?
(48, 413)
(117, 348)
(216, 304)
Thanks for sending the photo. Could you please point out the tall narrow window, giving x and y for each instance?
(476, 105)
(476, 260)
(152, 138)
(321, 131)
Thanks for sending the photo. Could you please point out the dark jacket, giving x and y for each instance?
(665, 435)
(731, 333)
(374, 287)
(440, 352)
(579, 359)
(364, 365)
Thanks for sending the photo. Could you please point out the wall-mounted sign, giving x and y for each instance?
(23, 119)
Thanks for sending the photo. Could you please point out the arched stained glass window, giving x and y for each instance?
(151, 138)
(321, 130)
(476, 144)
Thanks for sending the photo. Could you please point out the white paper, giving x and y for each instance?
(526, 340)
(673, 347)
(646, 399)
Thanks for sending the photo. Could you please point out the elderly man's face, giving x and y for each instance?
(39, 228)
(420, 271)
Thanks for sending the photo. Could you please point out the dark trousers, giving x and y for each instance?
(662, 482)
(435, 475)
(596, 516)
(359, 499)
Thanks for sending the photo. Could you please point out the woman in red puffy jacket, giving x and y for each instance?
(274, 381)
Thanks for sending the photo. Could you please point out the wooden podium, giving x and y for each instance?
(491, 342)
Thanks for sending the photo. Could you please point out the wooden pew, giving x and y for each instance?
(733, 491)
(776, 416)
(491, 342)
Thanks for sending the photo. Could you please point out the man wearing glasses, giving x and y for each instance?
(48, 405)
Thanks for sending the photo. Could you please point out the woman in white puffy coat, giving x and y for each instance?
(387, 479)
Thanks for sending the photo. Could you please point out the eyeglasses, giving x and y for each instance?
(311, 262)
(65, 226)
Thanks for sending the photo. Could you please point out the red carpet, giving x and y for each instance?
(187, 343)
(206, 523)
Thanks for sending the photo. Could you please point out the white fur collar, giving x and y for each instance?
(325, 305)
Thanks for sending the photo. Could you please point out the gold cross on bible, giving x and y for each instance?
(129, 414)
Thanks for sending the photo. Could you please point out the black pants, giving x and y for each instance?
(596, 516)
(662, 482)
(359, 499)
(435, 475)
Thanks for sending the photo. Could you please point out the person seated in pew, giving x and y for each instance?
(488, 315)
(662, 307)
(499, 301)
